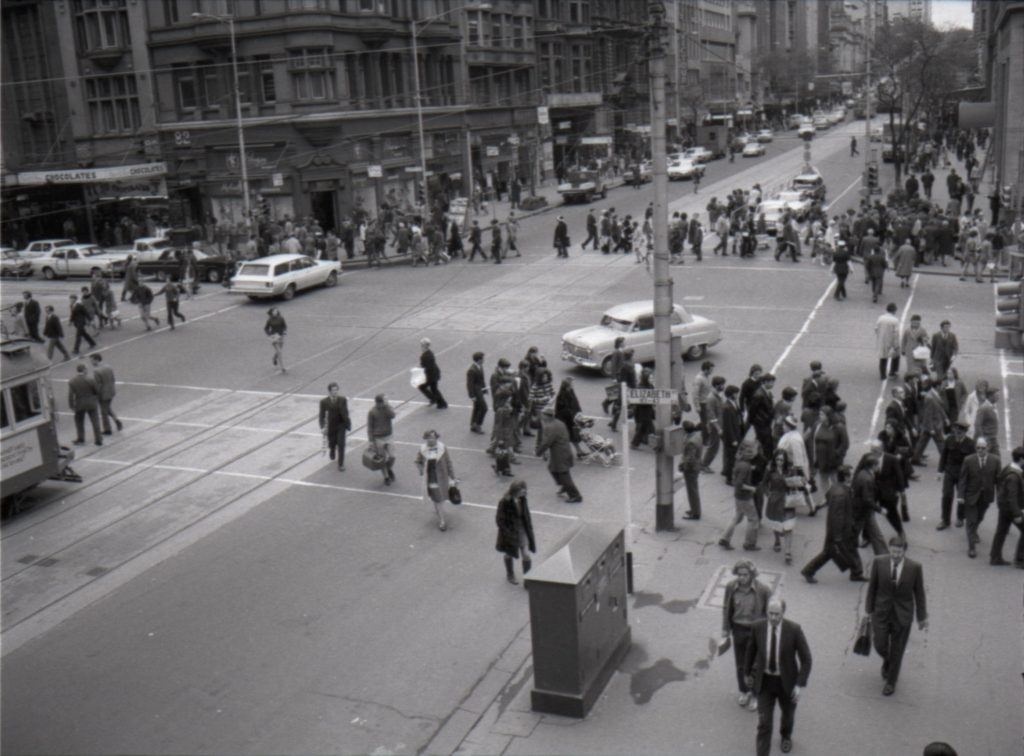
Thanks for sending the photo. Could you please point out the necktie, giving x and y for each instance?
(772, 653)
(896, 573)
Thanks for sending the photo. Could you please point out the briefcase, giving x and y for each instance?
(372, 460)
(862, 646)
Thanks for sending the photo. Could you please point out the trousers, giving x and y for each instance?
(770, 693)
(1002, 530)
(565, 481)
(94, 419)
(890, 639)
(476, 419)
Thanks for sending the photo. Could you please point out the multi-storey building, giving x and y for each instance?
(791, 27)
(918, 10)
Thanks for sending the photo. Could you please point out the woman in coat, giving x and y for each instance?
(504, 430)
(435, 466)
(784, 486)
(541, 390)
(903, 262)
(567, 406)
(515, 530)
(275, 328)
(826, 442)
(954, 394)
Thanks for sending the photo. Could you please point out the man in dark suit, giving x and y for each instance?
(429, 364)
(732, 431)
(476, 387)
(32, 313)
(777, 666)
(106, 386)
(561, 240)
(761, 413)
(944, 348)
(977, 489)
(895, 594)
(335, 422)
(1010, 499)
(955, 449)
(553, 443)
(84, 399)
(80, 320)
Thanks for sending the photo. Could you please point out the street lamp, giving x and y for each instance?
(230, 21)
(417, 25)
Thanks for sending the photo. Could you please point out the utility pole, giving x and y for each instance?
(868, 36)
(663, 357)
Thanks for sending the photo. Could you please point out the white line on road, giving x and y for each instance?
(805, 327)
(885, 384)
(1004, 374)
(843, 193)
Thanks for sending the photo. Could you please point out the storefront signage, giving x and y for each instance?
(514, 140)
(277, 179)
(565, 124)
(252, 161)
(596, 140)
(124, 190)
(374, 171)
(492, 151)
(89, 175)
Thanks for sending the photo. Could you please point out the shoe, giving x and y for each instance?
(918, 463)
(108, 433)
(78, 442)
(858, 579)
(786, 745)
(748, 547)
(814, 510)
(725, 544)
(527, 434)
(743, 699)
(341, 468)
(120, 425)
(998, 562)
(889, 689)
(442, 526)
(959, 523)
(99, 442)
(789, 559)
(943, 526)
(972, 552)
(387, 481)
(777, 547)
(690, 516)
(575, 500)
(512, 579)
(706, 469)
(809, 578)
(475, 429)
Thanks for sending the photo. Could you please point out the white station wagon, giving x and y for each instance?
(283, 275)
(592, 347)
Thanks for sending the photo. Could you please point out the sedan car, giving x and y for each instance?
(807, 129)
(44, 247)
(753, 149)
(13, 265)
(592, 347)
(283, 276)
(811, 184)
(699, 155)
(684, 169)
(212, 268)
(765, 135)
(77, 260)
(796, 201)
(769, 213)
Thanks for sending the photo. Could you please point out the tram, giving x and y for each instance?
(30, 451)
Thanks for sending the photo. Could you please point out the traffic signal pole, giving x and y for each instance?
(866, 183)
(664, 513)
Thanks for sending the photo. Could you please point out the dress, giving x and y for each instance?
(783, 495)
(436, 466)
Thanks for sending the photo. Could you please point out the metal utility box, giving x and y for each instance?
(578, 619)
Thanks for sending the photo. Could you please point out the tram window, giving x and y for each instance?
(25, 401)
(3, 413)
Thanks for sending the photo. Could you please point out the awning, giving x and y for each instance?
(136, 172)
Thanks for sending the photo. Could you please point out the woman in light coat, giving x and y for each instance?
(435, 466)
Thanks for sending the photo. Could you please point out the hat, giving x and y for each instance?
(791, 422)
(961, 424)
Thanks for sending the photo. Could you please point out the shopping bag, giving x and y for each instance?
(372, 460)
(417, 377)
(454, 494)
(862, 646)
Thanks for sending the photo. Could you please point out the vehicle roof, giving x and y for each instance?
(272, 259)
(50, 241)
(21, 360)
(773, 204)
(809, 177)
(631, 310)
(152, 239)
(77, 246)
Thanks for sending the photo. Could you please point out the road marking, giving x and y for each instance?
(885, 385)
(805, 327)
(843, 193)
(1004, 374)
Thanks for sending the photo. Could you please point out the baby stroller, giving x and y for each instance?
(596, 448)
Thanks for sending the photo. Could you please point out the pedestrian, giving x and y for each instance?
(986, 421)
(172, 298)
(275, 328)
(515, 530)
(887, 342)
(875, 266)
(743, 495)
(591, 231)
(903, 263)
(689, 466)
(1010, 500)
(475, 240)
(80, 320)
(561, 240)
(746, 602)
(865, 502)
(131, 279)
(785, 486)
(840, 532)
(53, 331)
(335, 422)
(84, 399)
(435, 466)
(106, 389)
(554, 445)
(777, 666)
(542, 390)
(955, 449)
(512, 235)
(977, 489)
(495, 241)
(567, 407)
(429, 387)
(702, 389)
(696, 179)
(895, 594)
(627, 375)
(143, 297)
(761, 412)
(944, 349)
(32, 313)
(476, 387)
(379, 429)
(732, 431)
(853, 146)
(713, 436)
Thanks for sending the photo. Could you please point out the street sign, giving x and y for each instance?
(542, 115)
(374, 171)
(492, 151)
(277, 179)
(650, 396)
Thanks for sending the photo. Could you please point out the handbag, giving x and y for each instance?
(417, 377)
(862, 646)
(454, 494)
(372, 460)
(922, 352)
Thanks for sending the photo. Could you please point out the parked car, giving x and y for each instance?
(770, 213)
(753, 149)
(212, 268)
(283, 276)
(77, 260)
(699, 155)
(44, 247)
(796, 201)
(821, 122)
(582, 186)
(810, 183)
(146, 249)
(765, 135)
(807, 129)
(684, 169)
(645, 169)
(592, 347)
(13, 265)
(796, 119)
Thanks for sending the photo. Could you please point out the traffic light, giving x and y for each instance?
(1006, 196)
(264, 208)
(1010, 315)
(421, 198)
(873, 176)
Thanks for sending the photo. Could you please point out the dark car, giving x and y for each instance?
(208, 267)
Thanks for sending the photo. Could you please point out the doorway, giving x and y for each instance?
(322, 206)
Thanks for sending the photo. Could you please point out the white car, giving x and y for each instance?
(146, 249)
(283, 276)
(753, 149)
(796, 201)
(807, 128)
(44, 247)
(684, 169)
(699, 155)
(765, 135)
(770, 213)
(592, 347)
(821, 122)
(77, 260)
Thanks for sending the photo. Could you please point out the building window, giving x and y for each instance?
(312, 73)
(473, 38)
(580, 66)
(214, 7)
(265, 77)
(113, 104)
(312, 5)
(185, 87)
(172, 13)
(579, 11)
(101, 25)
(373, 6)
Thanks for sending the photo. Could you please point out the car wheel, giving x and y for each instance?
(332, 279)
(289, 293)
(161, 275)
(696, 351)
(213, 275)
(49, 274)
(606, 367)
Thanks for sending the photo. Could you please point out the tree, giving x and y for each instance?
(787, 73)
(917, 65)
(693, 97)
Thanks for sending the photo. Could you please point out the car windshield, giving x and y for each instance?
(790, 196)
(624, 326)
(259, 271)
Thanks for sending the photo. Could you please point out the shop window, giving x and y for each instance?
(113, 104)
(101, 25)
(312, 74)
